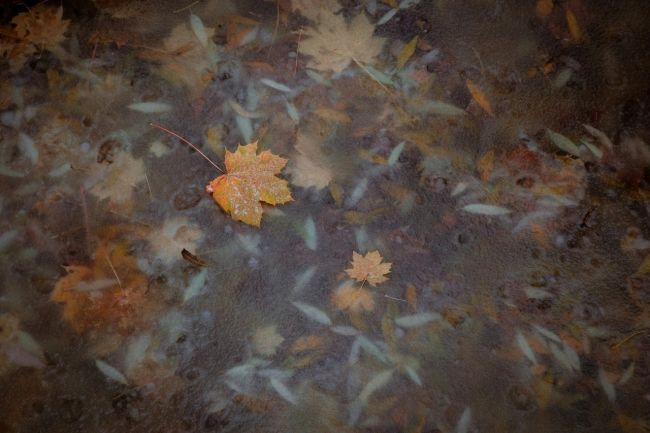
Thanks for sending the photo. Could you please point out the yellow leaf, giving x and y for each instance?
(353, 298)
(368, 268)
(336, 192)
(485, 165)
(479, 97)
(406, 53)
(574, 27)
(250, 179)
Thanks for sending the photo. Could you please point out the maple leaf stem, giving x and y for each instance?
(119, 282)
(184, 140)
(370, 75)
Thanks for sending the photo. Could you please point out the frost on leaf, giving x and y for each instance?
(369, 268)
(250, 179)
(336, 43)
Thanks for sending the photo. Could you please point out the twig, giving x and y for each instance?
(108, 259)
(184, 140)
(295, 67)
(631, 336)
(148, 185)
(84, 208)
(395, 299)
(370, 75)
(185, 7)
(479, 60)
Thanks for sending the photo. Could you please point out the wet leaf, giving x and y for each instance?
(479, 97)
(111, 372)
(395, 153)
(525, 347)
(334, 44)
(607, 386)
(355, 299)
(197, 283)
(444, 109)
(574, 27)
(464, 421)
(600, 135)
(485, 165)
(266, 340)
(184, 59)
(414, 320)
(348, 331)
(275, 85)
(406, 53)
(283, 391)
(313, 313)
(199, 30)
(369, 268)
(379, 381)
(486, 209)
(250, 179)
(563, 143)
(309, 167)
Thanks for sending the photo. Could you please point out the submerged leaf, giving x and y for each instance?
(415, 320)
(406, 53)
(355, 299)
(563, 143)
(282, 389)
(334, 44)
(150, 107)
(464, 421)
(313, 313)
(111, 372)
(607, 386)
(275, 85)
(199, 29)
(375, 384)
(266, 340)
(486, 209)
(479, 97)
(525, 347)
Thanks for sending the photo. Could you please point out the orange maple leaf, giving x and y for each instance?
(250, 179)
(353, 298)
(94, 295)
(368, 268)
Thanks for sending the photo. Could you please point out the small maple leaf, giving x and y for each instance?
(250, 179)
(353, 298)
(368, 268)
